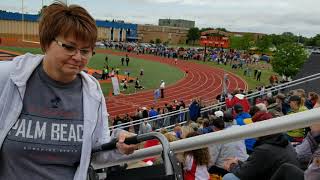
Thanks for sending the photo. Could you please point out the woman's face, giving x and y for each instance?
(66, 57)
(294, 105)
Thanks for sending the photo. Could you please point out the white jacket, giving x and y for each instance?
(13, 79)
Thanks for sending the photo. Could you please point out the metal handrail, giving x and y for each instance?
(277, 87)
(258, 129)
(221, 104)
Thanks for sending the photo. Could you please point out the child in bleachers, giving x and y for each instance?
(196, 163)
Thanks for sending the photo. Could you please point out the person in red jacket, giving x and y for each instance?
(238, 99)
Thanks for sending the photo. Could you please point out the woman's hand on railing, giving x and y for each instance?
(123, 147)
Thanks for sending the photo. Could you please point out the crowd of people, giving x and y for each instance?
(51, 93)
(269, 157)
(249, 63)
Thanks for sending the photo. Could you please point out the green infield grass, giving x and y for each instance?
(154, 72)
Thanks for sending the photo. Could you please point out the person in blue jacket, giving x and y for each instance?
(194, 109)
(244, 118)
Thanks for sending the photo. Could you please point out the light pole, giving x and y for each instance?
(22, 10)
(224, 88)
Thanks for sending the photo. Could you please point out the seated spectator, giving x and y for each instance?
(309, 146)
(308, 153)
(177, 131)
(196, 163)
(288, 171)
(313, 99)
(220, 152)
(280, 99)
(138, 85)
(273, 107)
(170, 137)
(253, 110)
(269, 153)
(206, 127)
(244, 118)
(296, 106)
(185, 130)
(262, 107)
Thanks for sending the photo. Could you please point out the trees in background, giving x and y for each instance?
(244, 42)
(264, 43)
(313, 41)
(288, 59)
(193, 35)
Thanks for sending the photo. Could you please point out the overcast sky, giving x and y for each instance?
(265, 16)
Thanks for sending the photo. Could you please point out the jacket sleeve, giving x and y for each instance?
(214, 151)
(306, 149)
(313, 171)
(5, 90)
(101, 135)
(5, 68)
(255, 165)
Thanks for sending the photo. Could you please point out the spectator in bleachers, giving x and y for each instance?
(296, 106)
(309, 145)
(313, 99)
(281, 100)
(238, 99)
(220, 152)
(145, 113)
(253, 110)
(206, 127)
(308, 153)
(273, 107)
(244, 118)
(196, 163)
(152, 114)
(145, 127)
(185, 130)
(262, 107)
(194, 110)
(166, 120)
(302, 94)
(177, 131)
(269, 153)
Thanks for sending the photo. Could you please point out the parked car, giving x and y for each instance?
(100, 45)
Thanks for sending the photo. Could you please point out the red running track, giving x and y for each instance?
(202, 81)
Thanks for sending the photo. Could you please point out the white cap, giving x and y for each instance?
(218, 113)
(144, 108)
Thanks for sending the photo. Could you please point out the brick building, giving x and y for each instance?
(172, 35)
(177, 23)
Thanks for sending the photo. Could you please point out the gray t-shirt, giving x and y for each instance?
(46, 141)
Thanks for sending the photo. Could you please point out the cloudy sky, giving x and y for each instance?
(265, 16)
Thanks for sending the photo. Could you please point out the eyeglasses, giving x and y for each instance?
(72, 50)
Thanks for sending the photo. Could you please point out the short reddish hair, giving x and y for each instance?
(59, 19)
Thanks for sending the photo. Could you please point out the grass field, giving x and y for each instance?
(154, 72)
